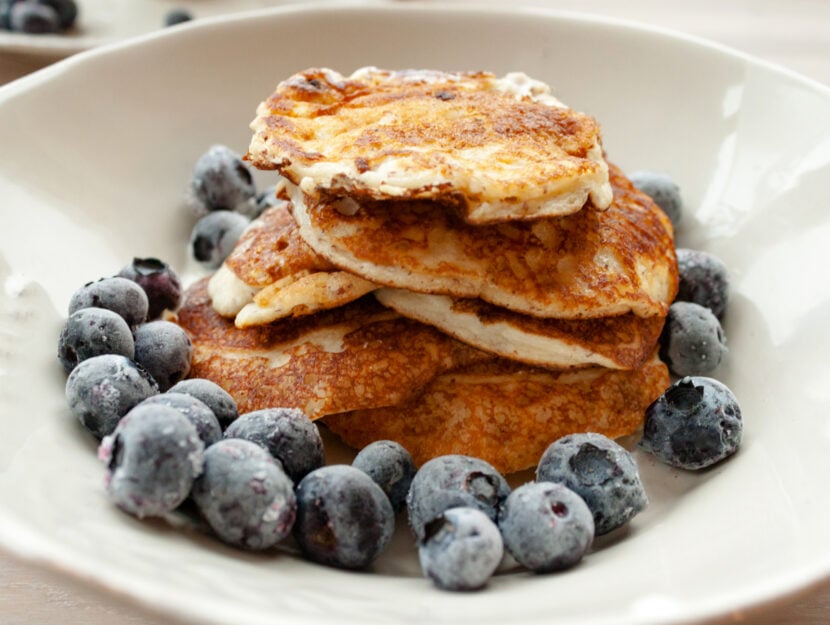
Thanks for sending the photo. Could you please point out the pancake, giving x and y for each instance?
(622, 342)
(418, 134)
(357, 356)
(272, 274)
(587, 265)
(507, 413)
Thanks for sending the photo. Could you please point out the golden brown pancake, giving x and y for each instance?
(507, 413)
(621, 342)
(587, 265)
(272, 274)
(357, 356)
(496, 148)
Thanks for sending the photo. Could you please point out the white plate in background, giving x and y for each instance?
(88, 180)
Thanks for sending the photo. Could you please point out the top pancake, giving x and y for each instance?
(425, 134)
(587, 265)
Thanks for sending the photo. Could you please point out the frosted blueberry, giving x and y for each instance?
(454, 481)
(216, 398)
(221, 181)
(600, 471)
(152, 458)
(33, 18)
(161, 284)
(244, 495)
(461, 549)
(177, 16)
(102, 389)
(390, 465)
(215, 235)
(704, 280)
(692, 342)
(661, 188)
(343, 517)
(92, 332)
(196, 411)
(546, 526)
(694, 424)
(120, 295)
(288, 435)
(164, 349)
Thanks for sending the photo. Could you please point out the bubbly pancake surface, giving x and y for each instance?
(586, 265)
(409, 134)
(507, 413)
(357, 356)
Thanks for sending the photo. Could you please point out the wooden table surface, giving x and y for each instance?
(792, 33)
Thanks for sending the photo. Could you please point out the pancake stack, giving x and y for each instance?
(454, 266)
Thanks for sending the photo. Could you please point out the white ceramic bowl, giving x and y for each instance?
(96, 152)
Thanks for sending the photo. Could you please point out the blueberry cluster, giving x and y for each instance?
(38, 17)
(223, 194)
(697, 421)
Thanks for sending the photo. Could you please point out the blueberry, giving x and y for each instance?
(6, 14)
(67, 11)
(454, 481)
(546, 526)
(221, 181)
(215, 235)
(177, 16)
(152, 458)
(694, 424)
(196, 411)
(257, 205)
(703, 280)
(390, 465)
(119, 295)
(33, 18)
(600, 471)
(102, 389)
(461, 549)
(244, 495)
(663, 190)
(343, 517)
(692, 342)
(164, 349)
(92, 332)
(216, 398)
(288, 435)
(159, 281)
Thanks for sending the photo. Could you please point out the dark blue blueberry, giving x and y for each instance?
(694, 424)
(259, 204)
(221, 181)
(152, 458)
(216, 398)
(196, 411)
(600, 471)
(244, 496)
(164, 349)
(390, 465)
(663, 190)
(692, 342)
(177, 16)
(33, 18)
(67, 11)
(215, 235)
(288, 435)
(161, 284)
(704, 280)
(119, 295)
(461, 549)
(92, 332)
(343, 517)
(546, 526)
(6, 14)
(103, 389)
(454, 481)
